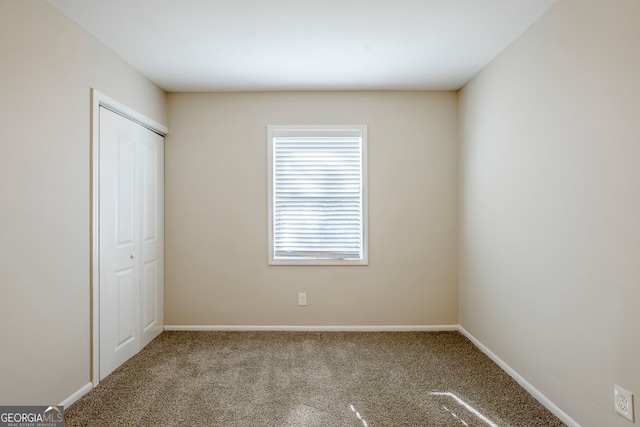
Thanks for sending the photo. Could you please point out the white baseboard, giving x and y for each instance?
(76, 395)
(524, 383)
(381, 328)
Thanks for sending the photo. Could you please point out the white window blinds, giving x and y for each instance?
(318, 194)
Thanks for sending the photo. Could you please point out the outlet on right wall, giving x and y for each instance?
(550, 206)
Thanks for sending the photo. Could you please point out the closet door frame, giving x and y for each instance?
(98, 100)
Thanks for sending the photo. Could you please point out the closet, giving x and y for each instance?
(131, 238)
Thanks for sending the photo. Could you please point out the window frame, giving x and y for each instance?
(317, 130)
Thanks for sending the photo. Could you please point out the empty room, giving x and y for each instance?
(320, 212)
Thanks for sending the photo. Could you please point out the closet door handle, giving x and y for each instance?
(132, 256)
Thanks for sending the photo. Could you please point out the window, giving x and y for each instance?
(318, 195)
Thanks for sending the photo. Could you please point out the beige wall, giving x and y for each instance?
(550, 206)
(216, 212)
(47, 67)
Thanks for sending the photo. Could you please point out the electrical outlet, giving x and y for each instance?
(623, 401)
(302, 298)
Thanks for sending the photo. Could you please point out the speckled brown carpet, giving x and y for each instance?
(309, 379)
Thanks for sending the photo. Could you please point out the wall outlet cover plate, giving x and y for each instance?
(623, 401)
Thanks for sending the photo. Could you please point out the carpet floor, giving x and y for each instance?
(327, 379)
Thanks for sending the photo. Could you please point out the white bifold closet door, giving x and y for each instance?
(131, 206)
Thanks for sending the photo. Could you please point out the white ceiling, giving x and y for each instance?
(247, 45)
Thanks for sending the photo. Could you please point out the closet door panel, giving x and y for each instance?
(152, 302)
(119, 215)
